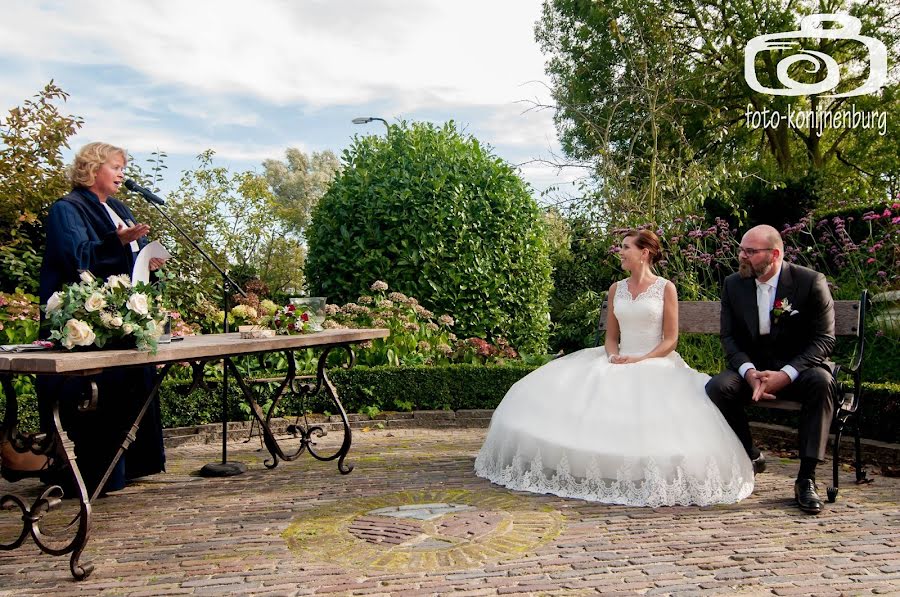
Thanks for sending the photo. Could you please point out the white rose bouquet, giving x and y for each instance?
(96, 313)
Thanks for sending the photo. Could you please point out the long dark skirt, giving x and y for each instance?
(97, 435)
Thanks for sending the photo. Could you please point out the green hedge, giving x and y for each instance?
(433, 213)
(878, 415)
(361, 389)
(452, 387)
(426, 388)
(457, 387)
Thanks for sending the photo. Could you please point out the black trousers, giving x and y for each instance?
(98, 434)
(814, 389)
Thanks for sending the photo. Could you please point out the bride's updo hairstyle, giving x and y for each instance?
(646, 239)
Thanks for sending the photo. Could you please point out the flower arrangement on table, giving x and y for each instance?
(115, 312)
(291, 319)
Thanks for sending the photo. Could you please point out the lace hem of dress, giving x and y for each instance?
(651, 489)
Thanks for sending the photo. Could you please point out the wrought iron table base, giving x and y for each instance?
(306, 432)
(59, 445)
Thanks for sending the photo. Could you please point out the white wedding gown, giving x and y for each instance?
(640, 434)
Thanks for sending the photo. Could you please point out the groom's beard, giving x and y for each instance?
(746, 269)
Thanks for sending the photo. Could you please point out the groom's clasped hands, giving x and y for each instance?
(766, 383)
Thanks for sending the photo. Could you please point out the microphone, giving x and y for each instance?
(147, 194)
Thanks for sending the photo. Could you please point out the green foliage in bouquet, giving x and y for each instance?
(114, 312)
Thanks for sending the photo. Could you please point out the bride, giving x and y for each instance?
(629, 423)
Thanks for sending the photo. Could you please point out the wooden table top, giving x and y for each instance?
(203, 347)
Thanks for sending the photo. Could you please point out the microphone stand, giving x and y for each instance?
(224, 468)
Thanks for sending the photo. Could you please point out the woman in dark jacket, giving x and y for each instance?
(89, 229)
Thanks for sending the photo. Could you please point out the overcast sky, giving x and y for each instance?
(249, 79)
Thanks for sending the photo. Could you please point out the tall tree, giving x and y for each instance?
(32, 176)
(649, 90)
(32, 172)
(299, 182)
(232, 217)
(432, 212)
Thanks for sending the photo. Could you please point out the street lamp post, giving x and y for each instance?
(368, 119)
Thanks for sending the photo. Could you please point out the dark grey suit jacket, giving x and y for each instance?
(802, 340)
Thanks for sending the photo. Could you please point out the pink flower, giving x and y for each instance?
(870, 260)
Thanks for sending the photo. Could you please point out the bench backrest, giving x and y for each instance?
(702, 317)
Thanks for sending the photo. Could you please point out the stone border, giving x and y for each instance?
(873, 451)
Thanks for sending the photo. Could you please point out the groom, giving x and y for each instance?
(777, 331)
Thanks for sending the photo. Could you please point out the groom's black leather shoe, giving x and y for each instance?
(759, 464)
(806, 496)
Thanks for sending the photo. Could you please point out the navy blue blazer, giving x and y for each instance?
(81, 236)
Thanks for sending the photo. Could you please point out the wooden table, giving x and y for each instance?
(195, 349)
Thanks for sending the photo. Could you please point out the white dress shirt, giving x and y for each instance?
(773, 286)
(118, 220)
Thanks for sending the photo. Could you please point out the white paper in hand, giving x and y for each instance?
(141, 272)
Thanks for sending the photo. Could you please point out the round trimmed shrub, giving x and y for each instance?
(435, 215)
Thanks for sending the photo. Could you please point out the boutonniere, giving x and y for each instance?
(781, 307)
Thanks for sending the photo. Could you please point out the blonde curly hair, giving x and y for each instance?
(89, 159)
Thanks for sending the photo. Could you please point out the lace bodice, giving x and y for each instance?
(641, 318)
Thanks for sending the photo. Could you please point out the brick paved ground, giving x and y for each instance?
(412, 519)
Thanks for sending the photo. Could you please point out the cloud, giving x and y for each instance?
(249, 80)
(148, 139)
(318, 53)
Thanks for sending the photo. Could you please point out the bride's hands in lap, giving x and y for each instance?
(618, 359)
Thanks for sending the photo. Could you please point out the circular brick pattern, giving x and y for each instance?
(470, 525)
(424, 530)
(378, 530)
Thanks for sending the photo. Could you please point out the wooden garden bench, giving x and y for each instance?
(703, 317)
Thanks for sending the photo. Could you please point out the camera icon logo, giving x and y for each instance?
(811, 27)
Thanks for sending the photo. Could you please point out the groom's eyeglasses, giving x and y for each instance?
(751, 252)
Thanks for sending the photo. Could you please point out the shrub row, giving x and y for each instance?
(361, 389)
(441, 388)
(878, 417)
(458, 387)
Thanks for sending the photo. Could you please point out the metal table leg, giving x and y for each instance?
(305, 432)
(59, 445)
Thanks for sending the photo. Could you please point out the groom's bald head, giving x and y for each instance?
(768, 236)
(768, 251)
